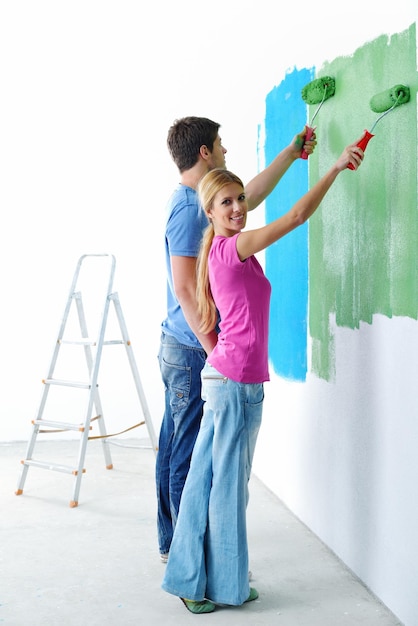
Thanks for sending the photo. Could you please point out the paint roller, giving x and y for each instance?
(384, 103)
(317, 91)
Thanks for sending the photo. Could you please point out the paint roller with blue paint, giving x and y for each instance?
(317, 91)
(384, 103)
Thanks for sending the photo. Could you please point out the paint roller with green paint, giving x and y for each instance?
(385, 101)
(316, 91)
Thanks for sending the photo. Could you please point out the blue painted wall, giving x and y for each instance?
(287, 259)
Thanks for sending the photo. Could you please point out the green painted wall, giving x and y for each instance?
(363, 241)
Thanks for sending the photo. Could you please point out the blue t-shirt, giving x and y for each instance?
(185, 224)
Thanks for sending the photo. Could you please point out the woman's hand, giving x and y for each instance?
(353, 155)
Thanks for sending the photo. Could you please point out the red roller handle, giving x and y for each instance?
(308, 135)
(362, 144)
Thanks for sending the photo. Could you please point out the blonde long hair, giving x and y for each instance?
(207, 189)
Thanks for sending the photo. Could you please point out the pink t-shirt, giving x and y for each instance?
(242, 295)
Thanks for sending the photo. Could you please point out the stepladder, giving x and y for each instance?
(70, 401)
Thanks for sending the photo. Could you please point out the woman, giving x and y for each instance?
(208, 562)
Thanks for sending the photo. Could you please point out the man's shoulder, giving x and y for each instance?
(183, 202)
(183, 195)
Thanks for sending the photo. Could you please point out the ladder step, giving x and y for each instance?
(66, 383)
(90, 342)
(79, 342)
(60, 425)
(66, 469)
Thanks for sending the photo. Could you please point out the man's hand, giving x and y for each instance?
(298, 143)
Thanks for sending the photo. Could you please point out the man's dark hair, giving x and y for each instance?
(185, 138)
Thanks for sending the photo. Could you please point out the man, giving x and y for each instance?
(195, 147)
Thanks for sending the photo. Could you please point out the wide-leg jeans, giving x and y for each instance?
(209, 552)
(180, 367)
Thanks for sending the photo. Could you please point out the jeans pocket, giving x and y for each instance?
(177, 380)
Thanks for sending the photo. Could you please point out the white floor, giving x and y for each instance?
(97, 564)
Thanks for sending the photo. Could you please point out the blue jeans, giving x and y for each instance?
(180, 368)
(209, 552)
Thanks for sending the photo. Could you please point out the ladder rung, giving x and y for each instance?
(66, 383)
(90, 342)
(80, 342)
(60, 425)
(66, 469)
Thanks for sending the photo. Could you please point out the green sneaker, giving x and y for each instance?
(253, 595)
(198, 606)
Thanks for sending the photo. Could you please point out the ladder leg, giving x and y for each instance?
(29, 452)
(103, 433)
(135, 373)
(22, 479)
(93, 396)
(78, 473)
(30, 447)
(90, 366)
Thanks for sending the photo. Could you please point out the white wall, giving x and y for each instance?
(343, 456)
(89, 90)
